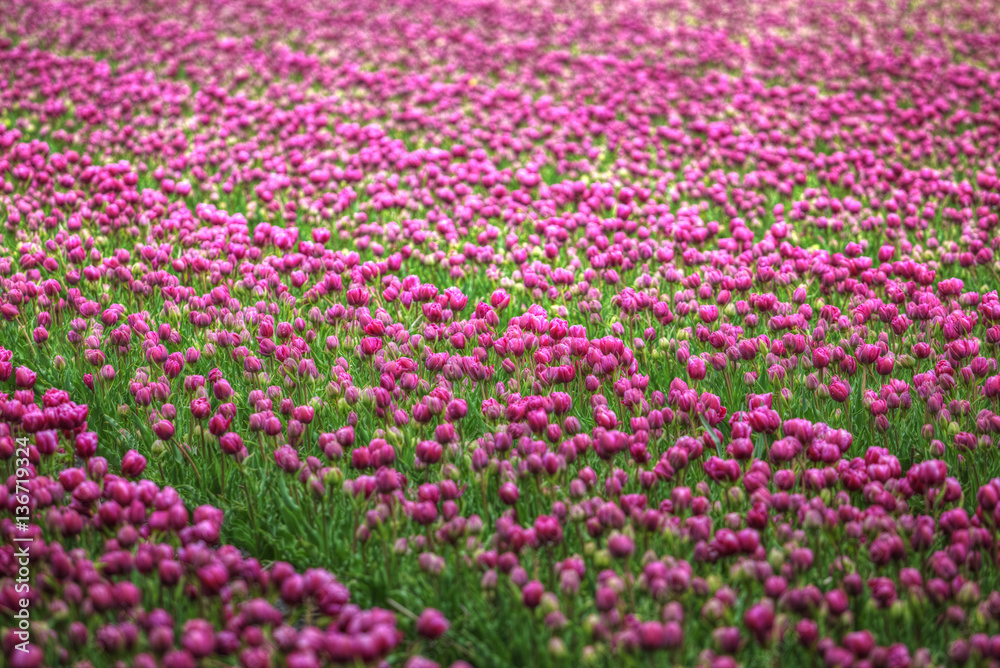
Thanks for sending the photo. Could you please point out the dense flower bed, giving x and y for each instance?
(499, 333)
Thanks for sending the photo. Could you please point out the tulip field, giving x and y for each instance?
(532, 333)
